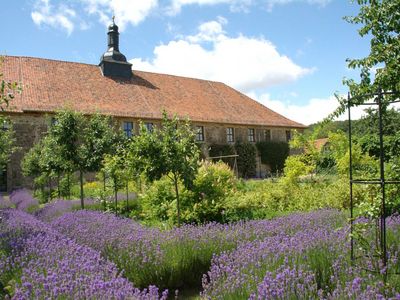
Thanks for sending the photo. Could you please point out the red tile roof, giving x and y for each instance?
(50, 85)
(320, 143)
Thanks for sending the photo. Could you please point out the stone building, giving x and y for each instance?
(220, 113)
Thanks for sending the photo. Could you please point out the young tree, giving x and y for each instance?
(98, 138)
(380, 69)
(7, 135)
(74, 143)
(170, 150)
(7, 140)
(115, 168)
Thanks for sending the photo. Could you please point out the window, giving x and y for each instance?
(200, 133)
(230, 136)
(149, 127)
(128, 129)
(5, 126)
(251, 135)
(267, 135)
(288, 135)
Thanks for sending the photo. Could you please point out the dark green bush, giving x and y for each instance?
(246, 161)
(273, 154)
(223, 150)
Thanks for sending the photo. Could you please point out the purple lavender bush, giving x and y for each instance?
(4, 203)
(180, 256)
(23, 200)
(133, 248)
(58, 207)
(310, 264)
(40, 263)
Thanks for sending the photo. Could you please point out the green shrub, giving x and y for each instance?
(246, 161)
(273, 154)
(205, 201)
(267, 197)
(213, 184)
(217, 150)
(158, 202)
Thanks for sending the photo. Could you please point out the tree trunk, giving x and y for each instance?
(127, 196)
(50, 189)
(58, 186)
(81, 183)
(177, 199)
(115, 195)
(69, 185)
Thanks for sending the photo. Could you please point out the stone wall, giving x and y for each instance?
(30, 127)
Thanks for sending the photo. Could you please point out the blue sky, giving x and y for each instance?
(287, 54)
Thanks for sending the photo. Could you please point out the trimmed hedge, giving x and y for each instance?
(273, 154)
(223, 150)
(246, 161)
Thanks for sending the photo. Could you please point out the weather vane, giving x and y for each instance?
(113, 19)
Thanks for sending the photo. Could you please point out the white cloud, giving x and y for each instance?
(61, 16)
(125, 11)
(57, 17)
(245, 63)
(312, 112)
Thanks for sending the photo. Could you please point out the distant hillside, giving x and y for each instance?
(364, 126)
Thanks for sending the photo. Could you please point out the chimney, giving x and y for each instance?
(113, 63)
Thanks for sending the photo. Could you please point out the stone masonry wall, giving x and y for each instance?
(30, 128)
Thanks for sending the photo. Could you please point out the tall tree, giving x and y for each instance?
(74, 143)
(7, 134)
(380, 21)
(169, 150)
(98, 138)
(7, 141)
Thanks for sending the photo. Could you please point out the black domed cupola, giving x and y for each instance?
(113, 63)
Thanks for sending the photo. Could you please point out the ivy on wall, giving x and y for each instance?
(246, 161)
(273, 154)
(217, 150)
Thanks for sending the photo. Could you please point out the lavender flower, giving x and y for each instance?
(4, 203)
(23, 200)
(53, 266)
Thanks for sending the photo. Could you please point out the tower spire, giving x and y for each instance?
(114, 63)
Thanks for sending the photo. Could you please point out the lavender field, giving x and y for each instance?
(58, 253)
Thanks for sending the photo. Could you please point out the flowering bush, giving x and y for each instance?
(23, 200)
(312, 263)
(4, 203)
(179, 256)
(41, 264)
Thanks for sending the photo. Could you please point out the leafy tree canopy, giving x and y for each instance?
(380, 21)
(168, 150)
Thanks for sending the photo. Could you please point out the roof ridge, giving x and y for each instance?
(95, 65)
(178, 76)
(48, 59)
